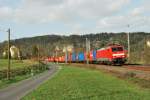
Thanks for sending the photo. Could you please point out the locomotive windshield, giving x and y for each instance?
(115, 49)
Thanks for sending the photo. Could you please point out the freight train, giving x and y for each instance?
(112, 55)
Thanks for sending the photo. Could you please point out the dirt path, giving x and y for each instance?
(18, 90)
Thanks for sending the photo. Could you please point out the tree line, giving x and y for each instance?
(46, 44)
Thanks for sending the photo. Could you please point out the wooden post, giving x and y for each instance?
(8, 70)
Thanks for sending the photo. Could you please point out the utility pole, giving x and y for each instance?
(8, 70)
(57, 56)
(128, 34)
(39, 54)
(56, 50)
(87, 50)
(66, 55)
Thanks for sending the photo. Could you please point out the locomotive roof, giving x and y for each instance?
(110, 47)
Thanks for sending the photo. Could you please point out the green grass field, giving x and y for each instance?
(4, 83)
(15, 63)
(73, 83)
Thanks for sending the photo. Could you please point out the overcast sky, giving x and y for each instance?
(28, 18)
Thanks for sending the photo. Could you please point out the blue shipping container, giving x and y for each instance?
(94, 55)
(81, 56)
(74, 57)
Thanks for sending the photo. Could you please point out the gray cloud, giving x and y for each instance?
(49, 10)
(105, 13)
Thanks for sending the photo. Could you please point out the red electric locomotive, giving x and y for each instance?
(112, 54)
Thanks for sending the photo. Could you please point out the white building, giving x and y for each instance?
(14, 52)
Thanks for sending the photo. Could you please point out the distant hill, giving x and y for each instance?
(48, 43)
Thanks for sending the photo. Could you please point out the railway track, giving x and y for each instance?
(138, 67)
(127, 66)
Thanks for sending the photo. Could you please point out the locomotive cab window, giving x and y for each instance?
(115, 49)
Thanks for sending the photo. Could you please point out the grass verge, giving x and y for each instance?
(22, 72)
(4, 83)
(73, 83)
(15, 64)
(128, 76)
